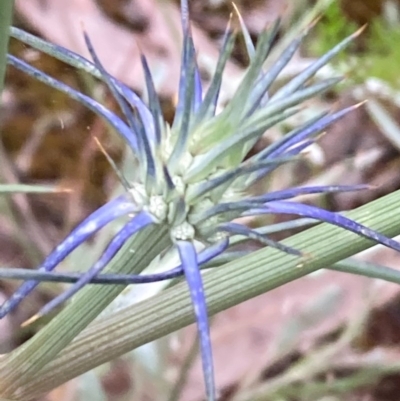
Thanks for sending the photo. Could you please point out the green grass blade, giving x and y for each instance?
(30, 189)
(367, 269)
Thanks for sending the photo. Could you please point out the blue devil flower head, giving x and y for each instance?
(193, 176)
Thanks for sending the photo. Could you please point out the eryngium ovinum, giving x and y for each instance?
(193, 176)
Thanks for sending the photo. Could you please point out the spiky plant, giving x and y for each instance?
(191, 179)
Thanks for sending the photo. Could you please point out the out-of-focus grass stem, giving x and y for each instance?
(6, 11)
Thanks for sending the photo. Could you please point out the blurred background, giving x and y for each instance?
(329, 336)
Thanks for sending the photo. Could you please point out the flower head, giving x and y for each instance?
(193, 176)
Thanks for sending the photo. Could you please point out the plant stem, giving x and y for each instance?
(188, 361)
(6, 12)
(225, 287)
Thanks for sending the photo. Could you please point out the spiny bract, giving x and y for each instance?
(193, 176)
